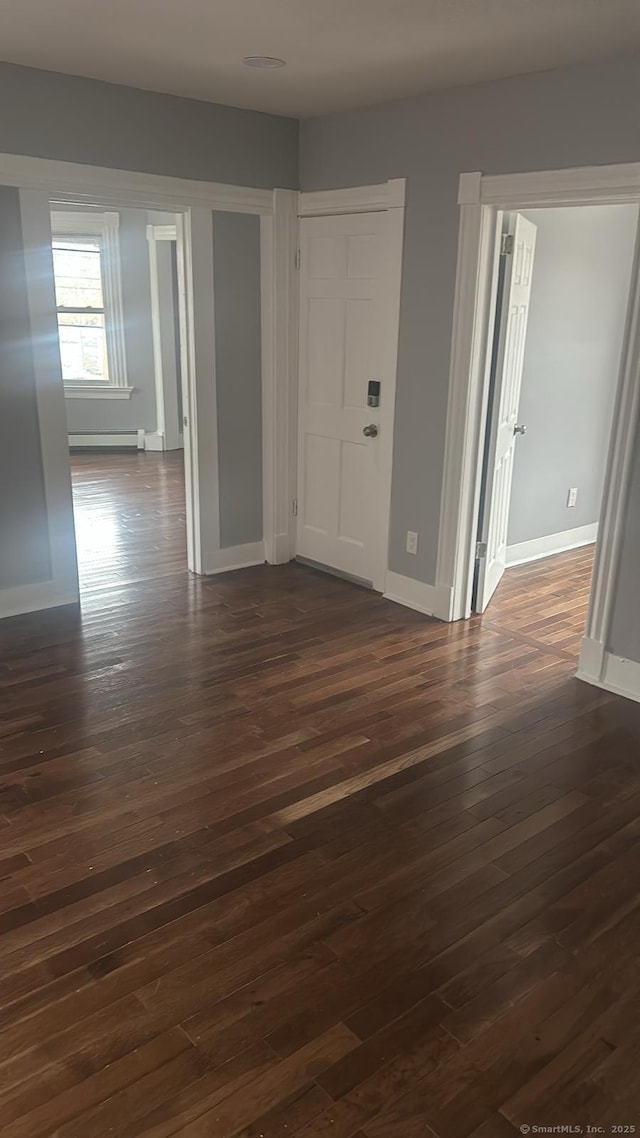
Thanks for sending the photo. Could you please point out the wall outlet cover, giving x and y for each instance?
(412, 542)
(572, 497)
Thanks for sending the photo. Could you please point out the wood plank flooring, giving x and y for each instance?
(282, 859)
(546, 601)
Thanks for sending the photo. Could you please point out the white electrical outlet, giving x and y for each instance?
(572, 497)
(412, 542)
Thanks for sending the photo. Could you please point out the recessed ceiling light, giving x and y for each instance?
(264, 61)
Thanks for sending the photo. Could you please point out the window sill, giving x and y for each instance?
(88, 391)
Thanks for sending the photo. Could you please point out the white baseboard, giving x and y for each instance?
(428, 599)
(153, 440)
(621, 676)
(614, 673)
(282, 549)
(234, 557)
(591, 663)
(541, 547)
(133, 439)
(33, 598)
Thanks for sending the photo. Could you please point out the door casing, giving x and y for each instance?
(482, 200)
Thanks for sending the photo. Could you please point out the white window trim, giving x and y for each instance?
(79, 390)
(72, 223)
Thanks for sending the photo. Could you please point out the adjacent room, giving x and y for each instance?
(546, 448)
(319, 589)
(116, 283)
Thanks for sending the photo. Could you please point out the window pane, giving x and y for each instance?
(76, 266)
(83, 346)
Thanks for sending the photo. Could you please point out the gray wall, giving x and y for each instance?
(577, 314)
(24, 535)
(570, 117)
(140, 411)
(236, 265)
(83, 120)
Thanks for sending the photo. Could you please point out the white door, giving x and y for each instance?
(504, 429)
(343, 325)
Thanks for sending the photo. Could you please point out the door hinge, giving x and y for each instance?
(294, 507)
(506, 245)
(481, 549)
(298, 259)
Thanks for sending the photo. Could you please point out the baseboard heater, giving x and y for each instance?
(117, 440)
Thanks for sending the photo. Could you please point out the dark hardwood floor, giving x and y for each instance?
(546, 601)
(283, 859)
(130, 519)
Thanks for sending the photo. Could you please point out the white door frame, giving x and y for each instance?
(193, 203)
(387, 197)
(168, 428)
(481, 198)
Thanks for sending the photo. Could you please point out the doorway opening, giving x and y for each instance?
(563, 278)
(116, 277)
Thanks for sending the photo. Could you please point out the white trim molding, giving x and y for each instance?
(163, 232)
(591, 664)
(354, 199)
(165, 335)
(539, 547)
(615, 674)
(427, 599)
(154, 441)
(105, 186)
(482, 199)
(198, 355)
(92, 391)
(278, 243)
(579, 185)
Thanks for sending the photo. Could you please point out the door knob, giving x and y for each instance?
(519, 429)
(371, 431)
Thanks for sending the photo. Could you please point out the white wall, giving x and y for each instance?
(576, 321)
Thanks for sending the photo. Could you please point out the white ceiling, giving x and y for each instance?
(340, 53)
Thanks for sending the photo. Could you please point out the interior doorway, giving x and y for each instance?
(120, 336)
(562, 297)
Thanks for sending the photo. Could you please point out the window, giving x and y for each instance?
(80, 305)
(86, 267)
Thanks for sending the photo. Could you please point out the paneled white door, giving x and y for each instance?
(343, 345)
(504, 429)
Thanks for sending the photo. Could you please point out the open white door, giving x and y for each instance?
(503, 426)
(343, 318)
